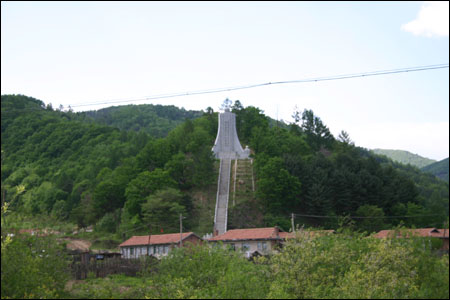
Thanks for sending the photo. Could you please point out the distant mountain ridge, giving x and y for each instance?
(439, 169)
(405, 157)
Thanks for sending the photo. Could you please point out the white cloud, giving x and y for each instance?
(431, 21)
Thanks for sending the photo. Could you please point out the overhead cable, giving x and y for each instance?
(378, 217)
(249, 86)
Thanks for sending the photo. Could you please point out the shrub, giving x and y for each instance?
(33, 267)
(355, 267)
(204, 272)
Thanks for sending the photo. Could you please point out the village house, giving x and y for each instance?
(261, 240)
(419, 232)
(156, 245)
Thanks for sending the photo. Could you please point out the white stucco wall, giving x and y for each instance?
(144, 250)
(262, 246)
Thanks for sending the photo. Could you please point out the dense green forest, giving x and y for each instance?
(439, 169)
(155, 120)
(77, 170)
(87, 173)
(405, 157)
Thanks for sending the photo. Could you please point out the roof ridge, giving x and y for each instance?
(168, 238)
(160, 234)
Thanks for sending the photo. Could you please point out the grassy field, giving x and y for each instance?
(113, 286)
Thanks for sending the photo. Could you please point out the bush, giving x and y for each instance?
(355, 267)
(204, 272)
(33, 267)
(109, 222)
(338, 266)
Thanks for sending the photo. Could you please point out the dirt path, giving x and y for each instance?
(81, 245)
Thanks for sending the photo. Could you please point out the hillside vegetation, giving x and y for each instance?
(334, 267)
(155, 120)
(439, 169)
(405, 157)
(63, 168)
(339, 266)
(126, 182)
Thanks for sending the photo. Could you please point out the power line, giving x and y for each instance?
(233, 88)
(353, 217)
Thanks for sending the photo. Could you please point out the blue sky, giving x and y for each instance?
(72, 53)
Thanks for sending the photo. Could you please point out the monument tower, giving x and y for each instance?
(226, 147)
(227, 143)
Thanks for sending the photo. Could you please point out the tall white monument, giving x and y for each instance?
(226, 148)
(227, 143)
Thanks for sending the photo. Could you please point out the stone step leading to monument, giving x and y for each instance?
(226, 147)
(223, 190)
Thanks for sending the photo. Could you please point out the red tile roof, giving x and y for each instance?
(443, 233)
(248, 234)
(422, 232)
(171, 238)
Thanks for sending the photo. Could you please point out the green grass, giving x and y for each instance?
(21, 221)
(110, 287)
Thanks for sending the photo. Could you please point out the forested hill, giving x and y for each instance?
(156, 120)
(60, 164)
(405, 157)
(439, 169)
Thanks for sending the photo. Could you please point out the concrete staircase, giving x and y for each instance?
(223, 191)
(235, 179)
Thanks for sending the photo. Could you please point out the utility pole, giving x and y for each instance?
(235, 173)
(277, 115)
(181, 230)
(148, 243)
(292, 222)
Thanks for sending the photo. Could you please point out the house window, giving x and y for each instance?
(262, 246)
(131, 251)
(233, 246)
(245, 246)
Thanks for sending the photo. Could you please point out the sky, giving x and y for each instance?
(74, 53)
